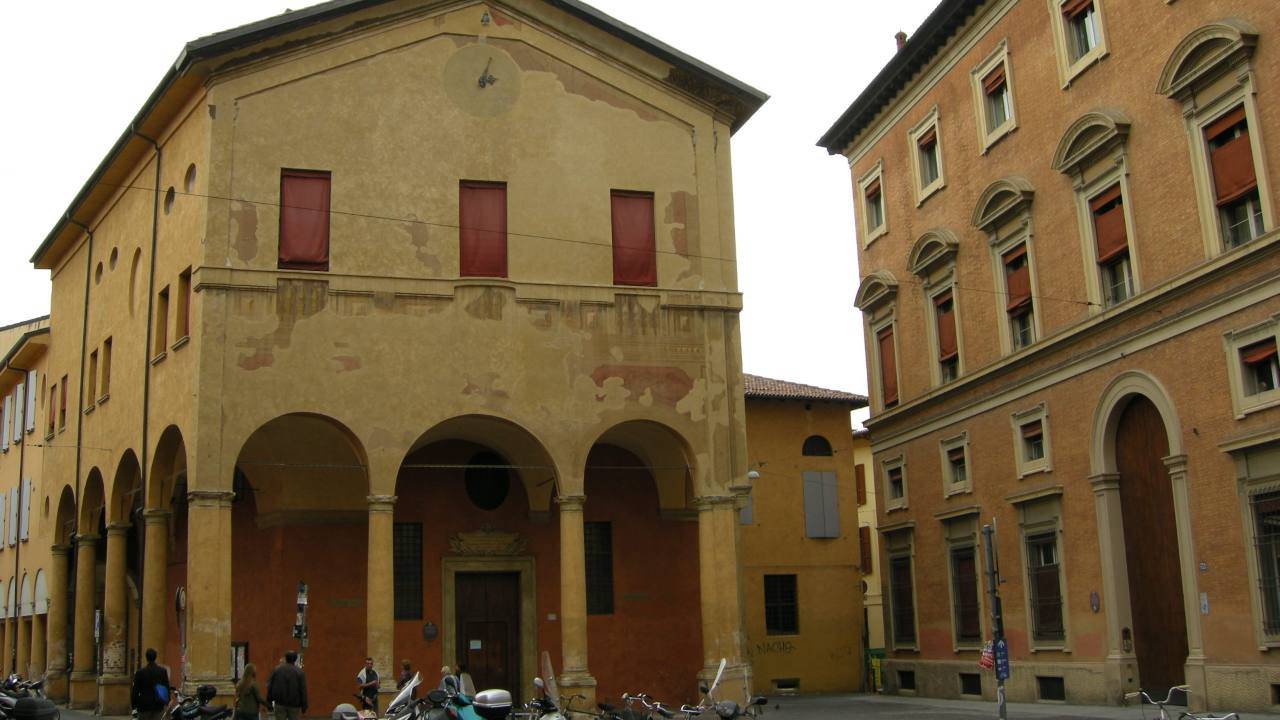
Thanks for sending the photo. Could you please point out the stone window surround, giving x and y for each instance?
(892, 504)
(899, 541)
(929, 122)
(1021, 233)
(1232, 342)
(988, 137)
(1257, 462)
(1018, 419)
(870, 234)
(874, 327)
(1038, 527)
(933, 260)
(950, 488)
(969, 514)
(1069, 70)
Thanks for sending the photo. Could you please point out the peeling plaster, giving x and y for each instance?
(245, 217)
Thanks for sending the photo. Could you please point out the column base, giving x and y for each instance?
(1198, 680)
(55, 686)
(84, 690)
(578, 683)
(225, 686)
(734, 683)
(113, 695)
(1119, 676)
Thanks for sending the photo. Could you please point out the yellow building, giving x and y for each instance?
(869, 550)
(425, 313)
(800, 539)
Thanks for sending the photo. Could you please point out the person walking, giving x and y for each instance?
(287, 689)
(150, 695)
(367, 682)
(249, 702)
(406, 677)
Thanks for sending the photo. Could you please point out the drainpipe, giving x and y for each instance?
(146, 374)
(17, 533)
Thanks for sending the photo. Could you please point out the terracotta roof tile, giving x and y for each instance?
(763, 388)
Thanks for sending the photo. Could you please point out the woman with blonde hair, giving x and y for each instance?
(248, 701)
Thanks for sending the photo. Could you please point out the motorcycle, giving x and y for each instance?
(728, 709)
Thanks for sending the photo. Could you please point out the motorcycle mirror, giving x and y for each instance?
(537, 682)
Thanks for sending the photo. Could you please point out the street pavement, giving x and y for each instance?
(879, 707)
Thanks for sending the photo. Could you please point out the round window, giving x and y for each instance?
(488, 480)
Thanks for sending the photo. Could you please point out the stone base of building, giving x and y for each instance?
(225, 686)
(1226, 688)
(578, 684)
(84, 691)
(113, 695)
(56, 686)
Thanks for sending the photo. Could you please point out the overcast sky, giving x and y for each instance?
(74, 74)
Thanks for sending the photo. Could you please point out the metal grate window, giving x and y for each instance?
(1046, 588)
(598, 541)
(407, 561)
(781, 605)
(902, 597)
(964, 590)
(1266, 542)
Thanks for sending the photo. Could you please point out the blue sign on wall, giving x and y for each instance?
(1002, 659)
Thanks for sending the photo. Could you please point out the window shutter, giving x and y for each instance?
(24, 527)
(304, 220)
(947, 347)
(928, 139)
(994, 80)
(955, 455)
(635, 259)
(1017, 279)
(31, 401)
(1072, 8)
(18, 408)
(860, 483)
(888, 366)
(51, 410)
(3, 516)
(1232, 160)
(864, 550)
(873, 189)
(5, 423)
(1032, 430)
(482, 229)
(1108, 223)
(830, 508)
(814, 519)
(1258, 352)
(13, 516)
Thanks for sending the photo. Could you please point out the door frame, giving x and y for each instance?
(522, 566)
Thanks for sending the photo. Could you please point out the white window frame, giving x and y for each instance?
(893, 551)
(1021, 234)
(990, 136)
(891, 503)
(1115, 173)
(889, 321)
(949, 486)
(951, 541)
(1024, 465)
(1257, 473)
(930, 121)
(1202, 170)
(1069, 69)
(935, 344)
(870, 234)
(1232, 342)
(1029, 528)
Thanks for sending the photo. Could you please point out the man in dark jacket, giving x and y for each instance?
(287, 689)
(148, 683)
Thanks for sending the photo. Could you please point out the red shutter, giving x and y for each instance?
(928, 138)
(304, 220)
(1108, 224)
(1258, 352)
(864, 548)
(994, 80)
(873, 188)
(482, 229)
(1017, 280)
(1032, 430)
(947, 347)
(860, 483)
(1232, 161)
(635, 259)
(1072, 8)
(53, 397)
(888, 366)
(955, 455)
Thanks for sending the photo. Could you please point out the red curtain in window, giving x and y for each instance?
(994, 80)
(888, 366)
(482, 229)
(946, 315)
(1017, 280)
(304, 220)
(1258, 352)
(635, 259)
(1072, 8)
(1108, 224)
(1232, 160)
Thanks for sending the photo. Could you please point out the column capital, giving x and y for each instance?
(711, 502)
(60, 550)
(86, 540)
(155, 516)
(117, 529)
(571, 503)
(1103, 482)
(210, 498)
(1176, 463)
(381, 503)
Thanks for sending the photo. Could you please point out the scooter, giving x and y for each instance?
(727, 709)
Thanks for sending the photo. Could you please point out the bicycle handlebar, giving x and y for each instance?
(1185, 689)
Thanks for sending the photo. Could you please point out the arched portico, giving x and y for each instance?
(122, 509)
(164, 518)
(1136, 439)
(58, 617)
(90, 528)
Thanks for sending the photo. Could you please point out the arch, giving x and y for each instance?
(875, 289)
(816, 446)
(41, 599)
(664, 451)
(932, 250)
(25, 597)
(168, 466)
(326, 448)
(1001, 199)
(92, 503)
(1106, 417)
(11, 599)
(126, 489)
(1092, 133)
(525, 452)
(1206, 53)
(65, 518)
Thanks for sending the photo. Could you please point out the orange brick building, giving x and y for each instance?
(1070, 270)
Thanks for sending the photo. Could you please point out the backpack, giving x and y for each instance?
(162, 693)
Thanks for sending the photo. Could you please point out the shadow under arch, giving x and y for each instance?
(665, 453)
(92, 504)
(168, 468)
(65, 518)
(1106, 417)
(126, 489)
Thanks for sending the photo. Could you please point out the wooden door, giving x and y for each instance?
(1151, 547)
(488, 627)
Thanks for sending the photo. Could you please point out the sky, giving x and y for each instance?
(75, 73)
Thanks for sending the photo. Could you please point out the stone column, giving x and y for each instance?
(155, 581)
(209, 589)
(22, 657)
(1196, 676)
(380, 586)
(574, 677)
(721, 597)
(37, 646)
(1121, 665)
(56, 674)
(113, 686)
(84, 685)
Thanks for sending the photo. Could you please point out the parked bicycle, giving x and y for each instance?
(1169, 699)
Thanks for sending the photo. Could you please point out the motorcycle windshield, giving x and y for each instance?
(405, 692)
(719, 673)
